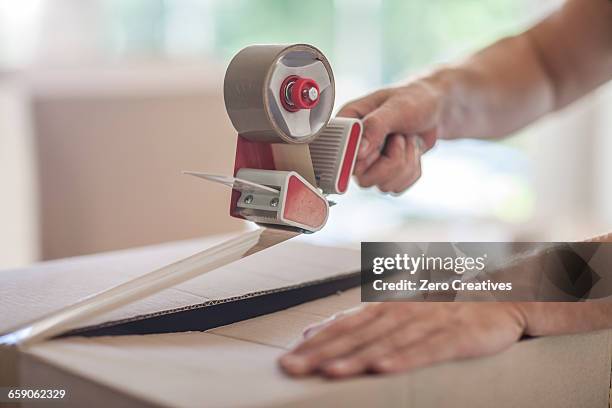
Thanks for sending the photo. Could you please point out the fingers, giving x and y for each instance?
(388, 164)
(373, 329)
(361, 109)
(307, 358)
(361, 166)
(397, 168)
(411, 168)
(407, 110)
(376, 126)
(346, 323)
(413, 109)
(394, 337)
(365, 358)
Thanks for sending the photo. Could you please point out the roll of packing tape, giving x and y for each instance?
(279, 93)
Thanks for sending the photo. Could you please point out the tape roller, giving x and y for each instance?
(290, 153)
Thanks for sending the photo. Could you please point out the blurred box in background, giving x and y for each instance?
(110, 150)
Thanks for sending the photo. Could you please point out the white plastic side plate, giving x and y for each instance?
(234, 182)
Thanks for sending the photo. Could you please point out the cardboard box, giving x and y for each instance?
(236, 364)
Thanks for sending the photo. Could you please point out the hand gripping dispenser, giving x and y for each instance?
(290, 153)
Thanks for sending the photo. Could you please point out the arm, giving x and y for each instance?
(401, 336)
(551, 318)
(519, 79)
(496, 91)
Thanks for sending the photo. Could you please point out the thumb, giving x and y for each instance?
(376, 126)
(358, 108)
(396, 115)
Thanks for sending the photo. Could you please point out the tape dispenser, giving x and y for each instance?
(290, 153)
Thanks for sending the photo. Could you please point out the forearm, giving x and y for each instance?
(552, 318)
(491, 94)
(519, 79)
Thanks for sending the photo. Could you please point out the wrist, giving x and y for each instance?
(523, 311)
(445, 83)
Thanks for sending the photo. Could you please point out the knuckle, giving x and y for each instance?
(412, 162)
(392, 165)
(374, 125)
(327, 351)
(339, 324)
(396, 340)
(375, 351)
(463, 347)
(406, 186)
(400, 164)
(364, 182)
(382, 93)
(399, 310)
(350, 109)
(406, 183)
(349, 105)
(411, 177)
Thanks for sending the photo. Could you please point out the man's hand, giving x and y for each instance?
(395, 337)
(400, 124)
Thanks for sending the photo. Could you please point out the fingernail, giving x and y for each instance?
(402, 142)
(316, 327)
(363, 147)
(294, 364)
(371, 158)
(383, 365)
(419, 144)
(339, 366)
(309, 331)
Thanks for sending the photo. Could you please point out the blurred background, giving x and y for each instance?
(104, 102)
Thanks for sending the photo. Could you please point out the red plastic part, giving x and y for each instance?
(303, 205)
(298, 94)
(252, 155)
(349, 158)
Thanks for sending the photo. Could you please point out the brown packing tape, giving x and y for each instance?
(292, 157)
(246, 95)
(270, 237)
(144, 286)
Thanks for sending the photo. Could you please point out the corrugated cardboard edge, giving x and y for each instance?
(214, 302)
